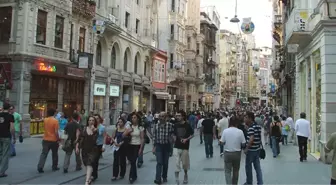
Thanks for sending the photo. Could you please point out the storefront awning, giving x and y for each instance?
(162, 95)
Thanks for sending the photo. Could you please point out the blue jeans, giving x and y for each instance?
(4, 154)
(208, 144)
(162, 160)
(275, 146)
(12, 146)
(252, 157)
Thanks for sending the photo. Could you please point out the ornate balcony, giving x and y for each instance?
(297, 30)
(86, 8)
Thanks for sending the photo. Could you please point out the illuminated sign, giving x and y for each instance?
(46, 67)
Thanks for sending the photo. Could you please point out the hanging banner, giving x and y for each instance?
(247, 26)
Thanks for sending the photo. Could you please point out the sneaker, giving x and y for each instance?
(65, 170)
(165, 180)
(221, 154)
(185, 180)
(157, 182)
(40, 170)
(55, 169)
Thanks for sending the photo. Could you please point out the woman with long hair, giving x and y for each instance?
(87, 144)
(275, 133)
(119, 159)
(101, 137)
(135, 133)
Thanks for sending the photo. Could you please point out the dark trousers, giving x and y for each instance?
(162, 152)
(96, 162)
(208, 144)
(46, 147)
(201, 137)
(119, 162)
(221, 148)
(132, 155)
(332, 182)
(302, 141)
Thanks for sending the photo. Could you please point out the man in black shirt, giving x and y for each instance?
(209, 132)
(73, 130)
(183, 133)
(7, 132)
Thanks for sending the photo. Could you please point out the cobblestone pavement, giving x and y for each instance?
(286, 169)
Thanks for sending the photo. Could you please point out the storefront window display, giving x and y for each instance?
(136, 100)
(318, 101)
(98, 100)
(304, 88)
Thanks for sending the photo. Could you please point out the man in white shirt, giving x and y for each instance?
(199, 125)
(222, 124)
(290, 122)
(233, 140)
(302, 129)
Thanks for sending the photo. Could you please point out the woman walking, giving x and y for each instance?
(275, 136)
(135, 135)
(119, 160)
(87, 144)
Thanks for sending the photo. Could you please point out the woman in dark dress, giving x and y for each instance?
(87, 144)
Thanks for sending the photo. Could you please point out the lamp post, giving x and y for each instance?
(235, 18)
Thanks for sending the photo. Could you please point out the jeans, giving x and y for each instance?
(275, 146)
(201, 137)
(132, 155)
(162, 152)
(208, 144)
(46, 147)
(4, 154)
(96, 162)
(302, 141)
(232, 165)
(284, 139)
(12, 146)
(119, 162)
(252, 157)
(67, 158)
(221, 148)
(140, 157)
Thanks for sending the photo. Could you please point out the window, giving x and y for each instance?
(136, 64)
(98, 4)
(5, 23)
(173, 5)
(125, 61)
(81, 43)
(59, 29)
(159, 71)
(41, 28)
(137, 24)
(98, 54)
(145, 68)
(198, 48)
(138, 2)
(113, 58)
(127, 17)
(189, 42)
(171, 60)
(172, 31)
(188, 71)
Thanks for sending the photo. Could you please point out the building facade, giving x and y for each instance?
(310, 39)
(209, 28)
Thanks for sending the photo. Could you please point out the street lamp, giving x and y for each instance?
(235, 18)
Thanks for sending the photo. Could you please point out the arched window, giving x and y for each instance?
(125, 61)
(98, 54)
(136, 64)
(113, 58)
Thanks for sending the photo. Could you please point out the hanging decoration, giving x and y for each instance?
(247, 26)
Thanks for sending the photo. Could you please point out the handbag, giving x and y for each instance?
(146, 138)
(67, 147)
(262, 154)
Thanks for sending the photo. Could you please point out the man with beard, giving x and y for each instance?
(183, 133)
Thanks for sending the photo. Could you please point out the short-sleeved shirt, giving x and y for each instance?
(5, 120)
(182, 131)
(254, 130)
(17, 120)
(101, 133)
(233, 138)
(135, 135)
(71, 129)
(51, 128)
(208, 125)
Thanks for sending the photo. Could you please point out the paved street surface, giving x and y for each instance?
(283, 170)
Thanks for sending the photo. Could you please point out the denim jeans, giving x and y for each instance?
(284, 139)
(221, 148)
(252, 157)
(140, 157)
(12, 146)
(5, 152)
(275, 146)
(208, 144)
(162, 160)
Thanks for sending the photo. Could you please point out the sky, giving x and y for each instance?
(260, 12)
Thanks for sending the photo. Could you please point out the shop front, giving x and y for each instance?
(113, 103)
(54, 86)
(99, 94)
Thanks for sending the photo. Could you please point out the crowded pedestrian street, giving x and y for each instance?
(285, 169)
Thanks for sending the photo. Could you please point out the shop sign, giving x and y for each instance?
(99, 90)
(75, 72)
(41, 66)
(114, 90)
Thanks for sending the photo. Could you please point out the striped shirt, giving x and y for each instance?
(254, 130)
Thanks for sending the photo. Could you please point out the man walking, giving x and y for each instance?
(199, 125)
(17, 127)
(6, 133)
(252, 149)
(233, 140)
(183, 133)
(209, 132)
(302, 129)
(162, 139)
(222, 124)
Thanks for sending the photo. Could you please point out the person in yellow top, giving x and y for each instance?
(50, 141)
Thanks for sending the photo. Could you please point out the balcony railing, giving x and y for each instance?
(85, 8)
(297, 30)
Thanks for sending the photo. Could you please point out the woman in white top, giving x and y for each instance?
(135, 135)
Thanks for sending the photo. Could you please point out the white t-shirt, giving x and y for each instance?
(233, 138)
(135, 135)
(290, 122)
(199, 123)
(302, 128)
(223, 124)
